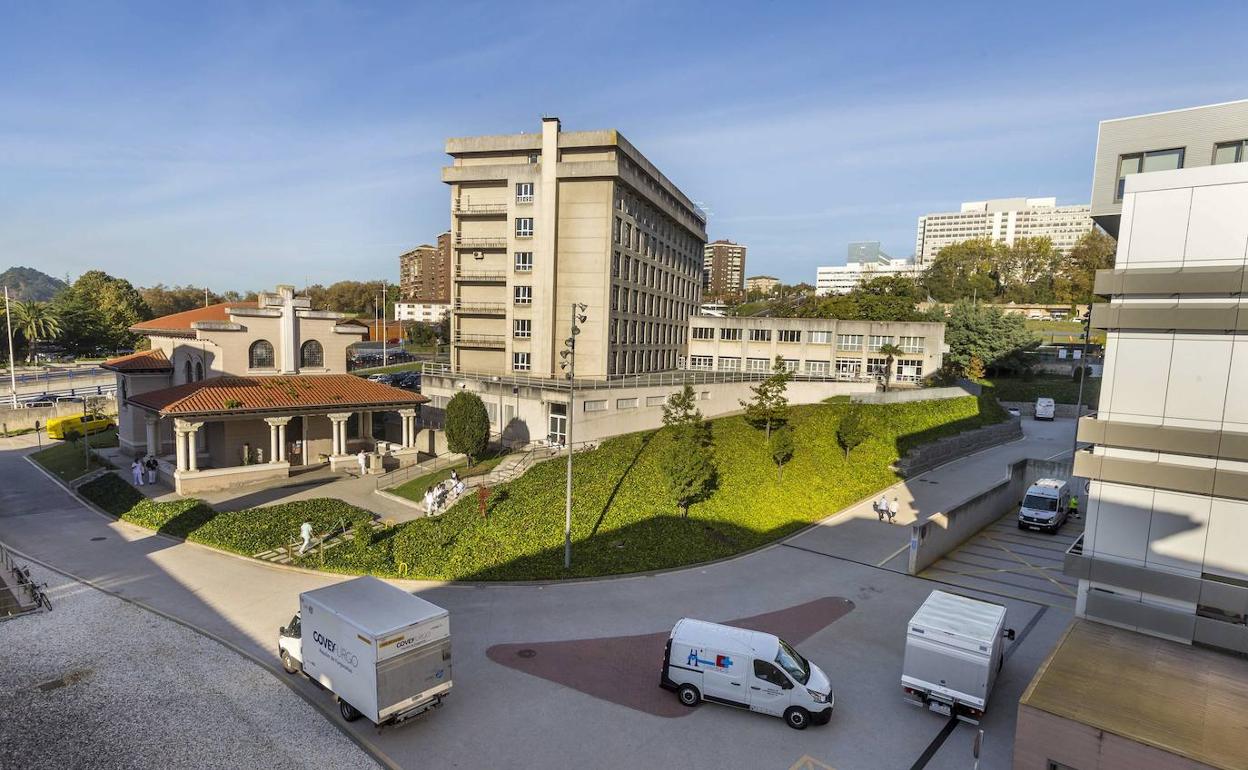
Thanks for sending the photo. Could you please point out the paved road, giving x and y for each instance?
(499, 715)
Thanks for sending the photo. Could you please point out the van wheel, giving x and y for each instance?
(689, 695)
(349, 714)
(797, 718)
(288, 663)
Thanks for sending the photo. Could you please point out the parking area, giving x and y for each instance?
(1006, 560)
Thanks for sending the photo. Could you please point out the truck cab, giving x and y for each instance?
(290, 645)
(1045, 506)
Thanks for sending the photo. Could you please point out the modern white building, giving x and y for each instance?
(425, 312)
(865, 261)
(1003, 220)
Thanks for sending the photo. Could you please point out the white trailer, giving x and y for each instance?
(954, 651)
(382, 652)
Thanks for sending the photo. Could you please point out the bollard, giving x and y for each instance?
(290, 552)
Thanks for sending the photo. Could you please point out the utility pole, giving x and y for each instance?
(384, 335)
(8, 322)
(568, 364)
(1083, 373)
(205, 296)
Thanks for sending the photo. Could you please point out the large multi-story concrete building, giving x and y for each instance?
(865, 260)
(1188, 138)
(543, 221)
(764, 284)
(1163, 561)
(723, 268)
(425, 272)
(1003, 220)
(816, 347)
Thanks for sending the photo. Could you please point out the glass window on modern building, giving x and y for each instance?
(760, 335)
(849, 342)
(523, 295)
(1143, 162)
(820, 338)
(703, 333)
(705, 363)
(524, 227)
(817, 368)
(522, 328)
(790, 335)
(909, 370)
(791, 364)
(524, 261)
(758, 364)
(524, 192)
(730, 334)
(1230, 152)
(877, 341)
(521, 362)
(729, 364)
(876, 367)
(848, 367)
(910, 344)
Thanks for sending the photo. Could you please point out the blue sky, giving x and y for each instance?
(239, 145)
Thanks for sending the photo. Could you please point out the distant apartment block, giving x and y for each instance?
(541, 221)
(723, 268)
(1189, 138)
(865, 260)
(424, 312)
(425, 272)
(765, 284)
(816, 347)
(1003, 220)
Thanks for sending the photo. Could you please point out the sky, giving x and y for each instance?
(242, 145)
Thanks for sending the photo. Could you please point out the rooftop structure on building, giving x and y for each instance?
(1003, 220)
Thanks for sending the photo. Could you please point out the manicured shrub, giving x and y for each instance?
(467, 425)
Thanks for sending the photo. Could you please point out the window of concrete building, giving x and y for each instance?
(199, 371)
(877, 366)
(311, 355)
(877, 341)
(186, 371)
(521, 362)
(1143, 162)
(259, 355)
(817, 368)
(615, 264)
(524, 227)
(701, 362)
(850, 367)
(790, 335)
(524, 192)
(557, 424)
(1230, 152)
(730, 334)
(704, 395)
(522, 328)
(820, 338)
(791, 364)
(597, 405)
(703, 333)
(909, 370)
(626, 403)
(534, 157)
(656, 400)
(523, 295)
(910, 344)
(729, 364)
(524, 261)
(758, 364)
(849, 342)
(760, 335)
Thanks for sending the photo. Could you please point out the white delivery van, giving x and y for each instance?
(1045, 505)
(1045, 409)
(954, 651)
(747, 669)
(382, 652)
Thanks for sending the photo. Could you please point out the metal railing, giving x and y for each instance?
(481, 340)
(481, 308)
(490, 276)
(673, 378)
(470, 209)
(493, 242)
(524, 199)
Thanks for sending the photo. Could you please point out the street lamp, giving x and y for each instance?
(568, 365)
(1083, 373)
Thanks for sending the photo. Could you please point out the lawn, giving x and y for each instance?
(1063, 331)
(65, 459)
(1063, 390)
(625, 520)
(248, 532)
(415, 489)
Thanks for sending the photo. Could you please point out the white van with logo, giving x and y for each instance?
(1045, 409)
(747, 669)
(1045, 505)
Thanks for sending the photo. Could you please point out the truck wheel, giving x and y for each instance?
(288, 663)
(689, 695)
(349, 714)
(797, 718)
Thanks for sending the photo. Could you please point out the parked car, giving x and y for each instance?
(747, 669)
(1045, 409)
(1045, 506)
(78, 426)
(1014, 411)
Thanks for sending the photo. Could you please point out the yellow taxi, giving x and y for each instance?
(78, 425)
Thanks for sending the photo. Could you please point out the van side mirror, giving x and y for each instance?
(1009, 634)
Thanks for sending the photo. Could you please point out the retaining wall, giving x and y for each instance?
(941, 451)
(942, 532)
(24, 419)
(912, 394)
(1028, 409)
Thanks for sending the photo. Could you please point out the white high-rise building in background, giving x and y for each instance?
(1003, 220)
(865, 261)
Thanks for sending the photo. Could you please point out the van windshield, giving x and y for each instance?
(1038, 503)
(789, 660)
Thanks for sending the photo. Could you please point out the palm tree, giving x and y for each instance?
(890, 351)
(35, 321)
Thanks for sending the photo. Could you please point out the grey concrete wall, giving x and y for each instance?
(941, 451)
(942, 532)
(23, 419)
(1028, 409)
(906, 395)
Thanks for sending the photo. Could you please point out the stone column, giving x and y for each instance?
(187, 445)
(272, 441)
(339, 420)
(179, 446)
(153, 434)
(409, 427)
(277, 438)
(281, 439)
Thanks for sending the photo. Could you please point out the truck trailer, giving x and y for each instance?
(383, 653)
(954, 652)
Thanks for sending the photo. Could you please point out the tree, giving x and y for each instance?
(467, 425)
(986, 333)
(890, 352)
(681, 414)
(966, 270)
(1028, 271)
(166, 300)
(1094, 251)
(769, 406)
(853, 429)
(781, 446)
(104, 309)
(690, 470)
(35, 321)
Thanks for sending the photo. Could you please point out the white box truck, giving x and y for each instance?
(382, 652)
(954, 651)
(1045, 506)
(747, 669)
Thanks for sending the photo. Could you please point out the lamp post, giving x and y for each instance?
(1083, 373)
(568, 365)
(12, 368)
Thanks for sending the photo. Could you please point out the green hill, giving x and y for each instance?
(30, 285)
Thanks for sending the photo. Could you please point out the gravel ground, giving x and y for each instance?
(101, 683)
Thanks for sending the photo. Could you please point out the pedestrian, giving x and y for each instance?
(892, 510)
(136, 472)
(1072, 507)
(881, 507)
(152, 467)
(459, 488)
(363, 462)
(454, 475)
(429, 501)
(305, 532)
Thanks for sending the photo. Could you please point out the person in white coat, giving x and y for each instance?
(136, 472)
(305, 533)
(363, 462)
(881, 507)
(892, 510)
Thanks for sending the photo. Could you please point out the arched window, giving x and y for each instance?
(260, 355)
(311, 355)
(199, 371)
(186, 371)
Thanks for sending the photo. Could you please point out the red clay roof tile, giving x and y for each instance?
(181, 322)
(276, 393)
(141, 361)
